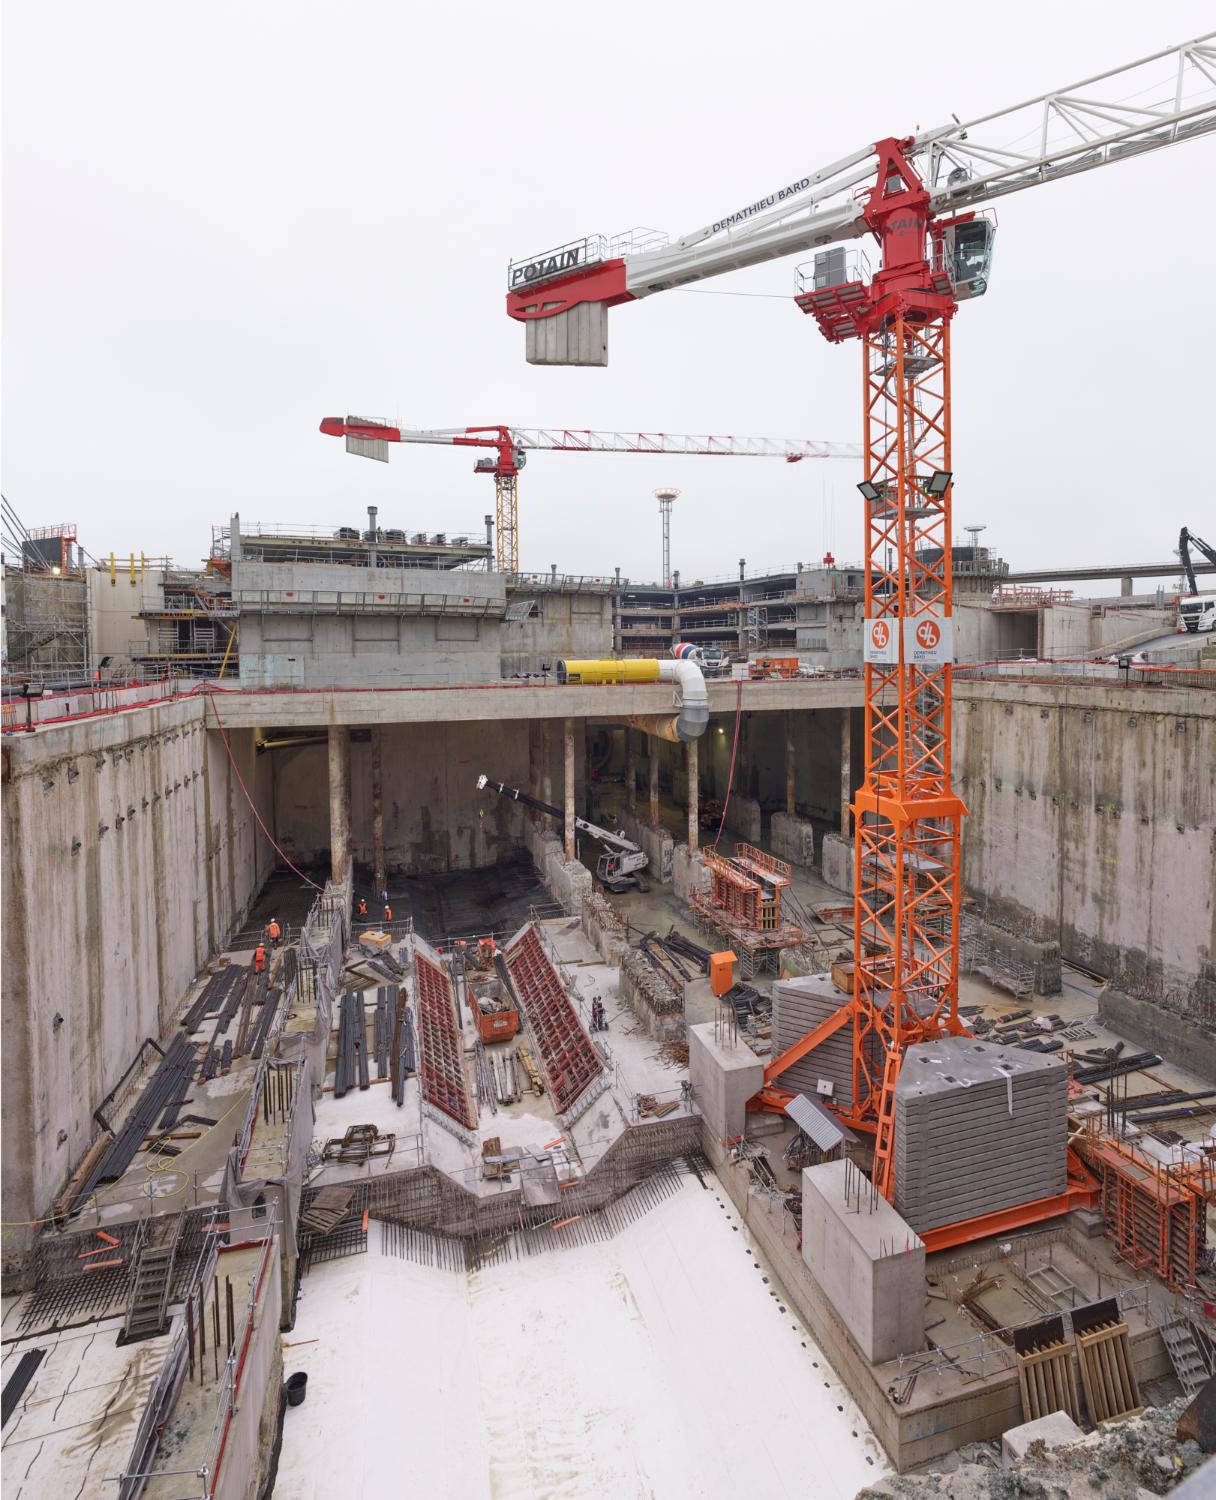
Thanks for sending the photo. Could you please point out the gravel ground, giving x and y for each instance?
(1129, 1461)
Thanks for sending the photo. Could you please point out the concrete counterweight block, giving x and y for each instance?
(978, 1128)
(867, 1259)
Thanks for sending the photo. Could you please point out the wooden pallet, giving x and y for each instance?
(1048, 1382)
(1108, 1373)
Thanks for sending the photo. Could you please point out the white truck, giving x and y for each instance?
(1198, 613)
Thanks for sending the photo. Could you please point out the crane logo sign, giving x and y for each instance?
(881, 641)
(928, 641)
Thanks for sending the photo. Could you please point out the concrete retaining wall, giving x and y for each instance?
(1093, 822)
(129, 853)
(1186, 1042)
(656, 841)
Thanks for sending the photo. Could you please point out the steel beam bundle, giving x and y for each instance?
(351, 1061)
(570, 1062)
(487, 1091)
(163, 1094)
(213, 997)
(442, 1070)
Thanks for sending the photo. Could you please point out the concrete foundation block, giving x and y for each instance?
(743, 818)
(1052, 1431)
(793, 839)
(688, 872)
(869, 1264)
(1007, 947)
(579, 883)
(1087, 1223)
(723, 1078)
(656, 841)
(838, 862)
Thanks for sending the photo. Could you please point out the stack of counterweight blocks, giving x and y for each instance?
(799, 1005)
(978, 1128)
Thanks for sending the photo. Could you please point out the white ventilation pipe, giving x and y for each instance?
(688, 724)
(694, 713)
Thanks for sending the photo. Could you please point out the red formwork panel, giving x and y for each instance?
(440, 1070)
(570, 1062)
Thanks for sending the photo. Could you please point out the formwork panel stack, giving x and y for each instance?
(441, 1069)
(571, 1064)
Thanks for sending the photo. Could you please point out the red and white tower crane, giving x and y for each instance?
(921, 198)
(511, 445)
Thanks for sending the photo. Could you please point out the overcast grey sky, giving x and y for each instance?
(226, 221)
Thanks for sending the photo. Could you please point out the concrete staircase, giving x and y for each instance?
(148, 1302)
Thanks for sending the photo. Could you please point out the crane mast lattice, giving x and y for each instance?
(922, 199)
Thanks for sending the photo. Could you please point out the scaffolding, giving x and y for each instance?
(193, 631)
(46, 616)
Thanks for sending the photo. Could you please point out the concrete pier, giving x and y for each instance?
(379, 873)
(846, 771)
(653, 746)
(694, 800)
(568, 786)
(631, 772)
(791, 765)
(339, 801)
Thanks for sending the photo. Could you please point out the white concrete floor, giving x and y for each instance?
(665, 1363)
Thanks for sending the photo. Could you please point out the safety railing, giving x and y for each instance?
(1067, 669)
(22, 713)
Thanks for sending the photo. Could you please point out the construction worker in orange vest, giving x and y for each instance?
(259, 959)
(274, 932)
(388, 912)
(362, 906)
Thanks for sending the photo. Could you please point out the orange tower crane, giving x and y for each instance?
(920, 197)
(370, 439)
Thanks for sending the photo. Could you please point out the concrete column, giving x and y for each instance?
(790, 764)
(653, 746)
(1126, 586)
(631, 772)
(546, 761)
(339, 801)
(379, 875)
(694, 797)
(534, 758)
(846, 769)
(568, 727)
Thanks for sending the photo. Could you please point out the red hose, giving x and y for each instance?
(241, 780)
(734, 750)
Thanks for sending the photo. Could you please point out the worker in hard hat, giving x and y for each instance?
(388, 912)
(259, 959)
(362, 907)
(274, 932)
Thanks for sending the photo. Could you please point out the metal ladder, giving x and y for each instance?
(1189, 1364)
(883, 1171)
(151, 1284)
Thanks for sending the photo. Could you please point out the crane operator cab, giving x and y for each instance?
(966, 255)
